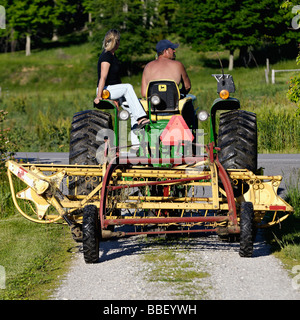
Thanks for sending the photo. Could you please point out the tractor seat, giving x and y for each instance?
(169, 95)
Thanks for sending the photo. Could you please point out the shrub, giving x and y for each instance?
(293, 93)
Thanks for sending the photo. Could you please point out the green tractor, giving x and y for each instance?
(174, 136)
(174, 129)
(174, 184)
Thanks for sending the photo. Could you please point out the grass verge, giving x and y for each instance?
(33, 256)
(285, 238)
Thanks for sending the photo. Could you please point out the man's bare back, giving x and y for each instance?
(165, 68)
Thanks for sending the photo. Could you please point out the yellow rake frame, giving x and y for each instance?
(177, 203)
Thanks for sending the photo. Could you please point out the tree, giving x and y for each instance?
(216, 25)
(27, 16)
(88, 8)
(41, 18)
(136, 21)
(231, 25)
(62, 15)
(293, 93)
(166, 14)
(5, 29)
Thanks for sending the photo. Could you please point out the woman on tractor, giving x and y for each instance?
(109, 79)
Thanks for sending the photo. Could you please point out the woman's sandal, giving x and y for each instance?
(143, 123)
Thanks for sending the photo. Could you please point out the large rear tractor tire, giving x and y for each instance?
(85, 141)
(238, 140)
(247, 229)
(91, 234)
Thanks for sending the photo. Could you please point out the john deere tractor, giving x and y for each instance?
(174, 184)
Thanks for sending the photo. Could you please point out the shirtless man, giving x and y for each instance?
(165, 67)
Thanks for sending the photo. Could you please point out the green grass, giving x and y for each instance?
(43, 91)
(60, 69)
(278, 131)
(286, 242)
(285, 239)
(33, 256)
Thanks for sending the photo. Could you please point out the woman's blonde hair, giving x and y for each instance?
(110, 40)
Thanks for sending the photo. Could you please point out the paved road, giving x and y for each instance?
(44, 157)
(286, 165)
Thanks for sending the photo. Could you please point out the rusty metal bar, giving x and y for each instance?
(229, 192)
(169, 232)
(163, 220)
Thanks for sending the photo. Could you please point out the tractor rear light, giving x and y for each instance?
(203, 115)
(155, 99)
(277, 208)
(105, 94)
(124, 115)
(224, 94)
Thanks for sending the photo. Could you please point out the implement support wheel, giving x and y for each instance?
(247, 229)
(91, 234)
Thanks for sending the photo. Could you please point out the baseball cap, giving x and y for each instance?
(165, 44)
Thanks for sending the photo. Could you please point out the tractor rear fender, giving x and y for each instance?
(107, 104)
(221, 104)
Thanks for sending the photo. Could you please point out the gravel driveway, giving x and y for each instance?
(125, 273)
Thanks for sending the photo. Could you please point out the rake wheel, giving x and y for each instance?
(247, 229)
(90, 234)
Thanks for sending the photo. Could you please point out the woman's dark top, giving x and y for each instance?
(113, 76)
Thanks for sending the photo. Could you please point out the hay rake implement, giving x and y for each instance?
(192, 197)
